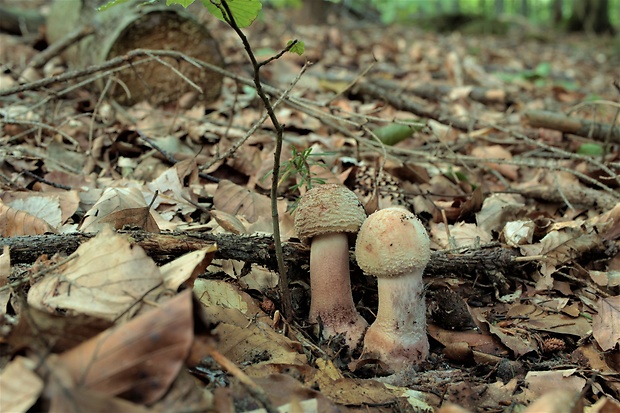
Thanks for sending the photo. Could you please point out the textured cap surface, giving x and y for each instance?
(327, 209)
(392, 242)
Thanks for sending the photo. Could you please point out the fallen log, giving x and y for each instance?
(256, 249)
(132, 25)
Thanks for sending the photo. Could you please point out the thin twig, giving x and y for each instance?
(254, 389)
(287, 305)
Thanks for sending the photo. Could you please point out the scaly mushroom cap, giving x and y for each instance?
(392, 242)
(327, 209)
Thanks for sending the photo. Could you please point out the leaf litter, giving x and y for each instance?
(108, 329)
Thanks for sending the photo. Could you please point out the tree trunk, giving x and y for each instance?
(591, 16)
(557, 15)
(131, 25)
(499, 7)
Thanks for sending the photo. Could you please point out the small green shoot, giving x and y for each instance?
(299, 164)
(298, 47)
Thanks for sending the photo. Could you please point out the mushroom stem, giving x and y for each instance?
(398, 335)
(330, 281)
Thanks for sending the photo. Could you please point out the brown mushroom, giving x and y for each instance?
(393, 245)
(325, 216)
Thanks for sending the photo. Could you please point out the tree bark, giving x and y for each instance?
(557, 15)
(591, 16)
(256, 249)
(131, 25)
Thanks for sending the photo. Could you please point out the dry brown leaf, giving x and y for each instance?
(534, 318)
(515, 339)
(290, 395)
(137, 360)
(497, 152)
(258, 347)
(21, 386)
(564, 243)
(228, 222)
(606, 324)
(72, 400)
(41, 331)
(218, 293)
(105, 279)
(540, 383)
(238, 200)
(119, 207)
(483, 343)
(461, 235)
(607, 279)
(67, 202)
(172, 195)
(185, 269)
(497, 210)
(14, 223)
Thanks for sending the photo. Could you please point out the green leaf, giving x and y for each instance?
(111, 4)
(298, 48)
(184, 3)
(244, 11)
(590, 149)
(543, 69)
(393, 133)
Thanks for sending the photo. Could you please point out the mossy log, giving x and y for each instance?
(134, 25)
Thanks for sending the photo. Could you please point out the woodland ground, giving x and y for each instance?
(523, 284)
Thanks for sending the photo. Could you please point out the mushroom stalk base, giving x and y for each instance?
(398, 335)
(330, 282)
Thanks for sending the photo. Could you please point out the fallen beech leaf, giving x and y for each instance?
(85, 400)
(606, 324)
(218, 293)
(542, 382)
(14, 223)
(41, 331)
(21, 387)
(286, 392)
(137, 360)
(535, 318)
(106, 279)
(238, 200)
(119, 207)
(497, 152)
(187, 268)
(172, 194)
(45, 207)
(229, 222)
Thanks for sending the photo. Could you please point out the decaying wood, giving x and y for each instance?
(254, 249)
(580, 127)
(577, 195)
(131, 25)
(400, 102)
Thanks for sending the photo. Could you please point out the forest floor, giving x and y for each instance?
(506, 147)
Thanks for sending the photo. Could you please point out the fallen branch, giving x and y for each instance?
(254, 249)
(580, 127)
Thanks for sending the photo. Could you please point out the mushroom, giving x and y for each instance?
(393, 245)
(325, 216)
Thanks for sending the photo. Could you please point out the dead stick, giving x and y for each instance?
(576, 126)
